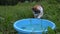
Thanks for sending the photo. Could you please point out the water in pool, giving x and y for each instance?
(35, 26)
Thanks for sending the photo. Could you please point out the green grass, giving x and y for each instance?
(10, 14)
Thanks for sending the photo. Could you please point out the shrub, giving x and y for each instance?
(58, 1)
(8, 2)
(50, 31)
(29, 0)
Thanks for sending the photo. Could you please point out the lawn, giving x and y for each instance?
(9, 14)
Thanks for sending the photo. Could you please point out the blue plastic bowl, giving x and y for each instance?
(33, 25)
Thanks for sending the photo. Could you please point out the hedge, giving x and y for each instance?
(8, 2)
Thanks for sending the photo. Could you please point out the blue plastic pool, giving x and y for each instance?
(33, 25)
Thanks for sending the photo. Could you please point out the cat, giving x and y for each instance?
(37, 11)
